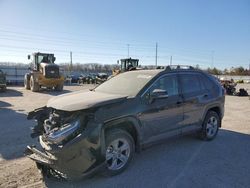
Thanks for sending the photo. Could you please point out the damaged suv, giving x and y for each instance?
(82, 132)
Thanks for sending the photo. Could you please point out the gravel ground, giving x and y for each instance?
(182, 162)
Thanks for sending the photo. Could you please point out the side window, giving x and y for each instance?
(190, 83)
(168, 83)
(207, 82)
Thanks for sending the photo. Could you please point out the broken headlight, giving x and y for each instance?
(56, 136)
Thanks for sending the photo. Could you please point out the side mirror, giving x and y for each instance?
(54, 58)
(158, 94)
(28, 56)
(29, 68)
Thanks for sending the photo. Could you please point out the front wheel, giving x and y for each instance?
(27, 81)
(119, 151)
(210, 126)
(34, 86)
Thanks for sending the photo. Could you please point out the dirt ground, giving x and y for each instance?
(182, 162)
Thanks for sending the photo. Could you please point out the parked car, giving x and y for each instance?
(74, 78)
(83, 132)
(82, 78)
(101, 77)
(2, 80)
(87, 78)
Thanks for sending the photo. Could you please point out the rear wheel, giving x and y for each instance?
(27, 81)
(210, 126)
(119, 151)
(34, 86)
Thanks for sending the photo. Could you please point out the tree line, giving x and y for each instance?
(241, 71)
(96, 67)
(88, 67)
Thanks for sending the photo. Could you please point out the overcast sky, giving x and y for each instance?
(205, 32)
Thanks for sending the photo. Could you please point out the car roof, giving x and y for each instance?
(154, 72)
(150, 72)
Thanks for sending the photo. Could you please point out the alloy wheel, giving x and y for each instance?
(117, 154)
(212, 126)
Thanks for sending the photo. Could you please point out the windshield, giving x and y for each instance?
(128, 83)
(128, 64)
(45, 58)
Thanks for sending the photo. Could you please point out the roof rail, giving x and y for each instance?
(177, 67)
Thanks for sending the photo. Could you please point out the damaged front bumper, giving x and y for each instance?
(39, 156)
(71, 152)
(77, 161)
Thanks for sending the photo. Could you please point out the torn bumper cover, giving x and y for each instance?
(51, 166)
(39, 156)
(70, 150)
(70, 163)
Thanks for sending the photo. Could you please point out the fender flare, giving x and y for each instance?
(215, 105)
(118, 121)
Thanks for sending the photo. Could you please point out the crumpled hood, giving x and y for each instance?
(83, 100)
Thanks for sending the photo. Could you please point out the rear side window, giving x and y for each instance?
(208, 84)
(190, 83)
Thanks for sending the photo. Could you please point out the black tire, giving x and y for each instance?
(59, 87)
(210, 126)
(34, 86)
(125, 140)
(27, 81)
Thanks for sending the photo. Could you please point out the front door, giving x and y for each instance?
(162, 115)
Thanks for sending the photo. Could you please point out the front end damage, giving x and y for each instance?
(70, 142)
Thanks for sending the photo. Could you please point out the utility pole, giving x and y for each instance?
(128, 50)
(156, 48)
(170, 60)
(71, 64)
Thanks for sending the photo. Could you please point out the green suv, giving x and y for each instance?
(82, 132)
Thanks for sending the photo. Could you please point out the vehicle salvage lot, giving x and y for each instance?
(180, 162)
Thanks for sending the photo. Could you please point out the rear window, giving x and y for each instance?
(207, 82)
(190, 83)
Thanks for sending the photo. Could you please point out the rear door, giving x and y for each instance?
(194, 94)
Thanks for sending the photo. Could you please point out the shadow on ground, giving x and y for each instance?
(183, 162)
(11, 93)
(14, 134)
(53, 92)
(4, 104)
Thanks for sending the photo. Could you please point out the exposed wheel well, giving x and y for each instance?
(127, 126)
(216, 109)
